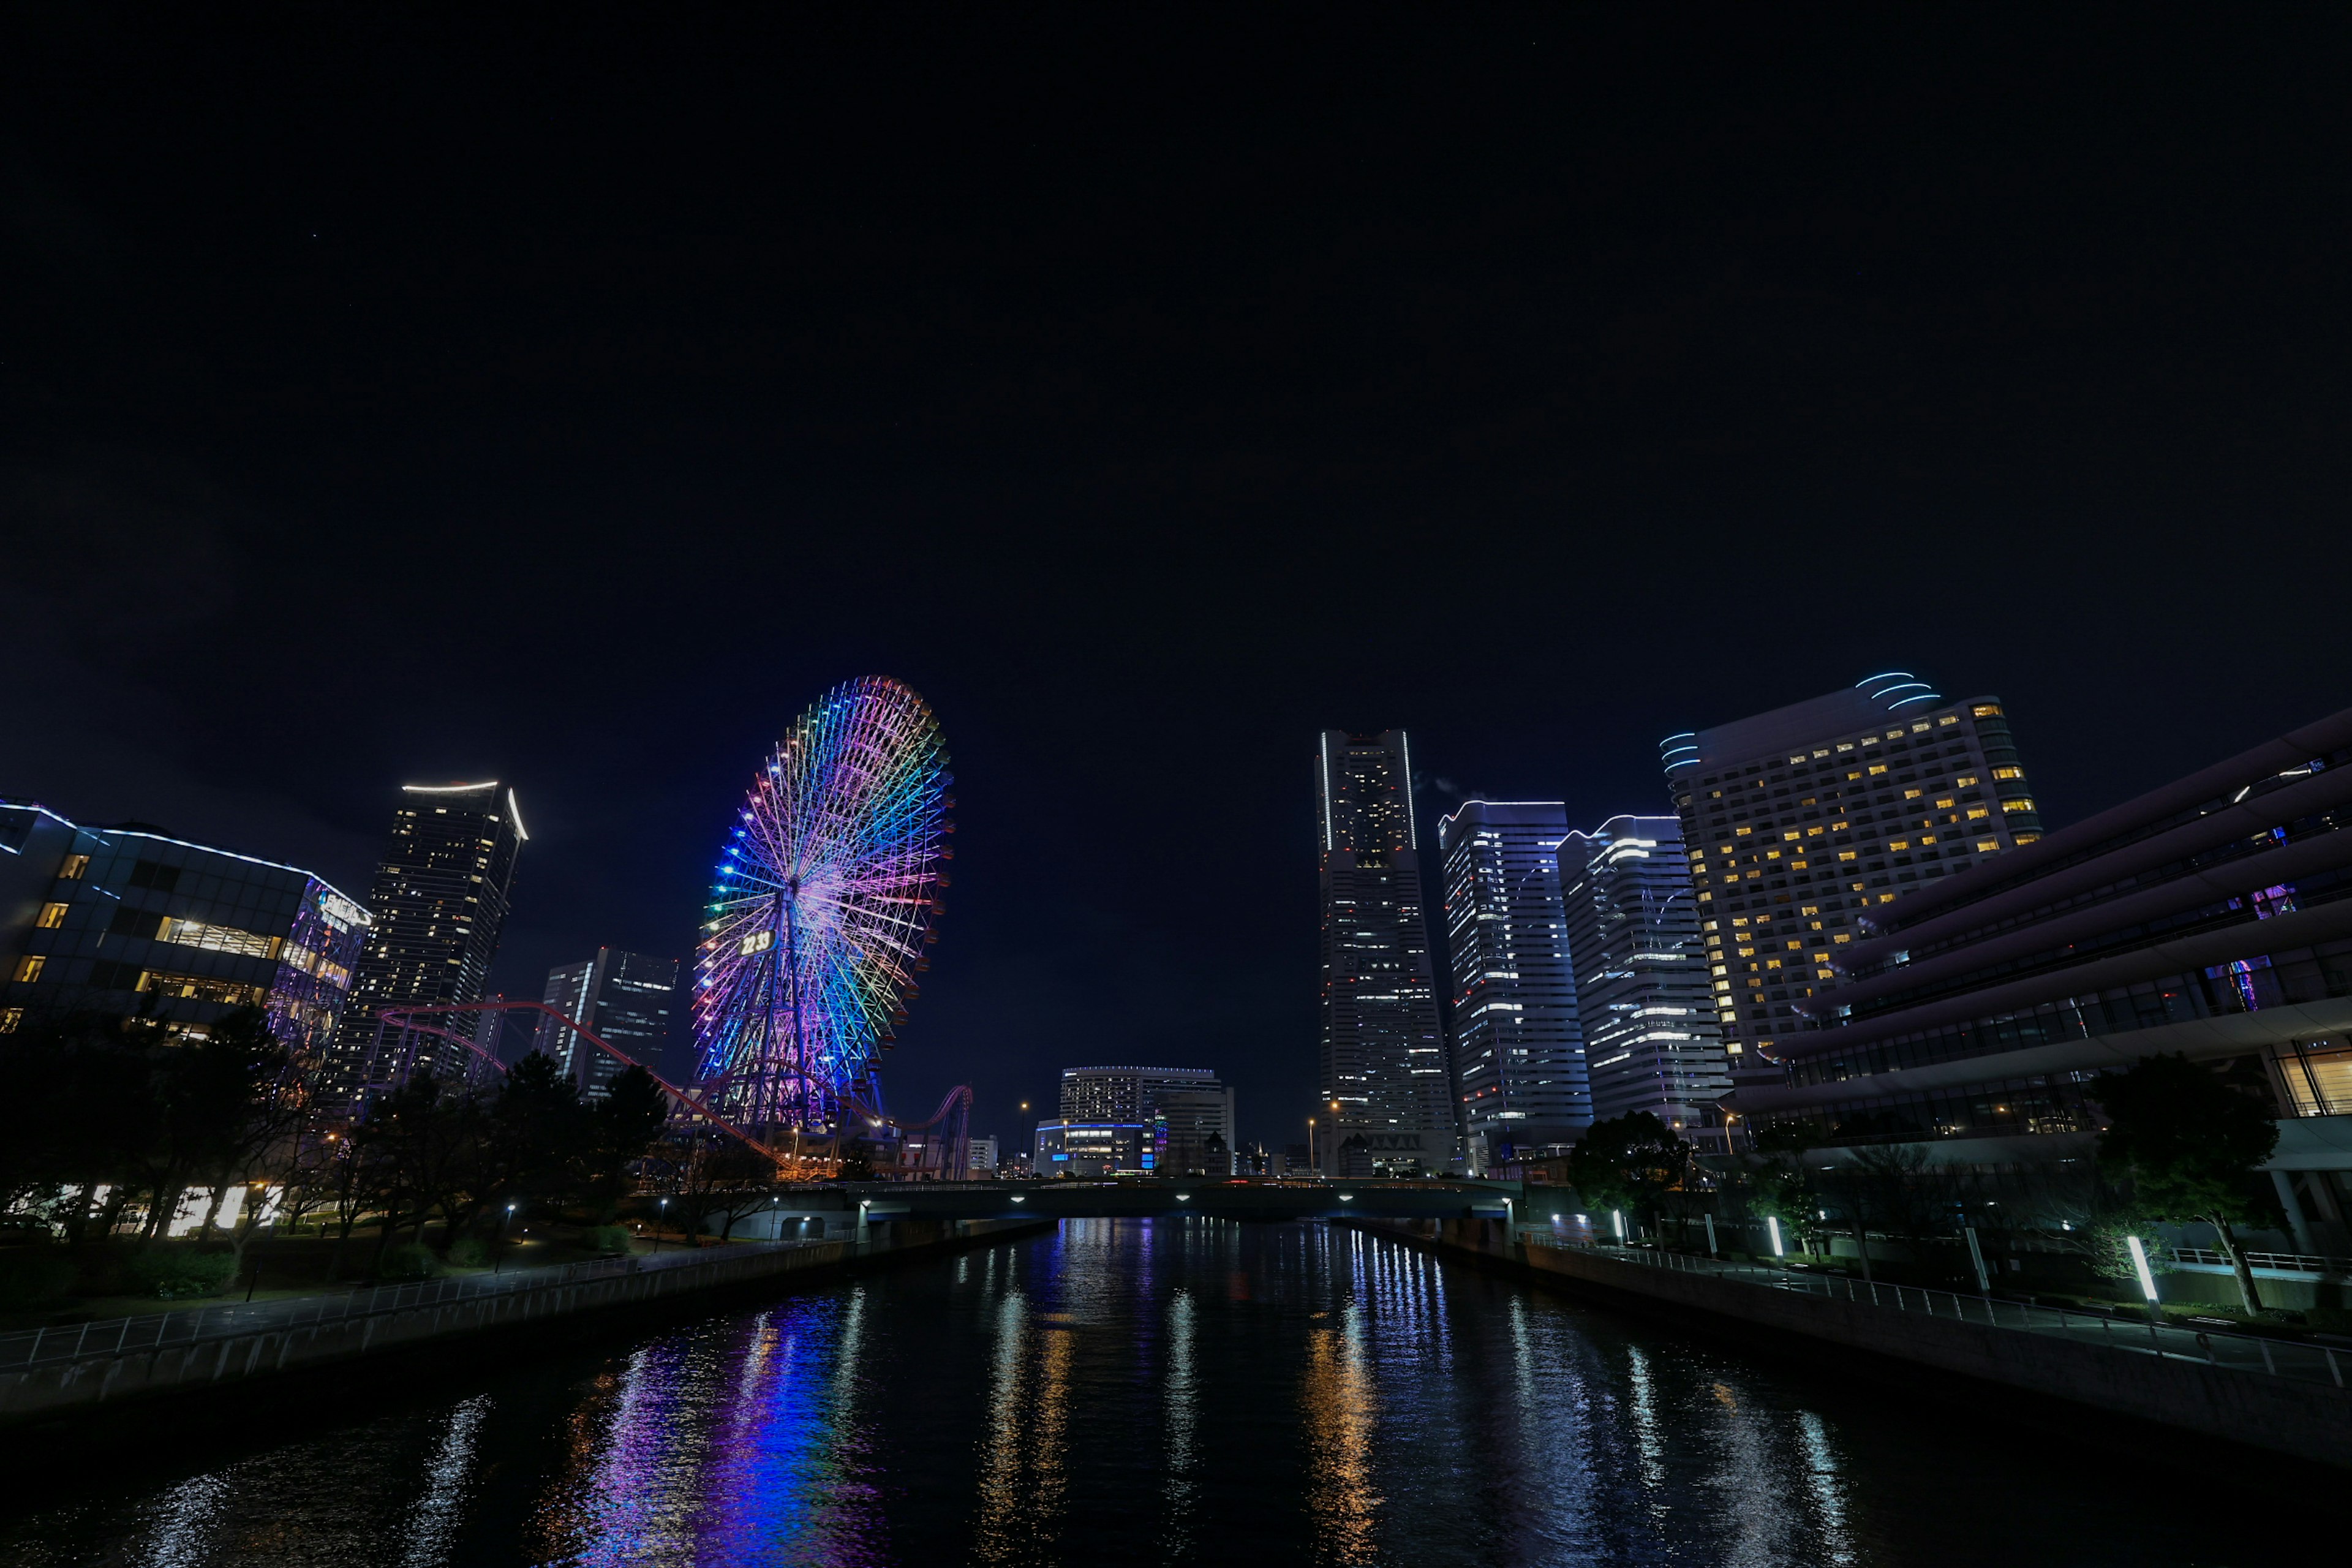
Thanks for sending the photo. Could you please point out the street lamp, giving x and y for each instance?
(499, 1246)
(662, 1215)
(2146, 1279)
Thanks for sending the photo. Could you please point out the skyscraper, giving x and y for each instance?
(1800, 820)
(624, 999)
(1651, 1039)
(1518, 1056)
(440, 903)
(1383, 1059)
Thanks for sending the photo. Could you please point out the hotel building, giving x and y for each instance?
(1802, 820)
(2211, 918)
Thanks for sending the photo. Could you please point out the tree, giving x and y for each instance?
(1779, 1186)
(621, 1127)
(1628, 1162)
(2192, 1139)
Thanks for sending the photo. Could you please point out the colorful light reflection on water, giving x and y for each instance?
(1133, 1392)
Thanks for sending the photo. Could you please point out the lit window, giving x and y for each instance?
(1977, 811)
(1942, 803)
(2020, 804)
(2028, 837)
(1987, 710)
(1910, 794)
(1949, 719)
(2009, 773)
(74, 866)
(52, 916)
(1879, 767)
(1741, 832)
(1845, 853)
(1885, 898)
(9, 1018)
(1792, 834)
(28, 968)
(1987, 845)
(1839, 936)
(1731, 1048)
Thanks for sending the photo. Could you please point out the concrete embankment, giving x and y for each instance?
(2309, 1420)
(88, 1366)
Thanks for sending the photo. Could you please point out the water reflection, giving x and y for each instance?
(1180, 1392)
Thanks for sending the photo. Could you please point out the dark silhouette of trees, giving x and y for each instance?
(2191, 1140)
(1630, 1162)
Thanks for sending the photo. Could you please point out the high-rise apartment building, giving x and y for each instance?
(1194, 1108)
(129, 921)
(1519, 1056)
(440, 903)
(1802, 820)
(1652, 1042)
(624, 999)
(1386, 1088)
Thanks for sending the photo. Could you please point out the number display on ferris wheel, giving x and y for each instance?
(825, 895)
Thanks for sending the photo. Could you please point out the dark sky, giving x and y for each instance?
(571, 397)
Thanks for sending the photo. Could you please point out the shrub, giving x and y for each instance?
(178, 1274)
(31, 1275)
(470, 1252)
(408, 1261)
(611, 1240)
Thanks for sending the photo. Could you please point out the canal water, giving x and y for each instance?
(1130, 1392)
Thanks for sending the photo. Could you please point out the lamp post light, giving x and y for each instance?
(661, 1216)
(2146, 1279)
(499, 1247)
(1617, 1216)
(1773, 1225)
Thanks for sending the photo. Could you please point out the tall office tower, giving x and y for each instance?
(439, 902)
(1519, 1056)
(1651, 1040)
(624, 999)
(1802, 820)
(1197, 1110)
(1383, 1057)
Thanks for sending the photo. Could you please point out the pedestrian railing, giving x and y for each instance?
(155, 1330)
(2258, 1353)
(2280, 1262)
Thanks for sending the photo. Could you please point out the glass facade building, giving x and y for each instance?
(129, 921)
(440, 901)
(1802, 820)
(621, 998)
(2211, 918)
(1195, 1108)
(1072, 1146)
(1387, 1092)
(1651, 1037)
(1518, 1053)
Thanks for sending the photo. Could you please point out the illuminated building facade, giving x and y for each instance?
(1195, 1108)
(1802, 820)
(1073, 1146)
(1383, 1057)
(621, 998)
(1519, 1054)
(440, 902)
(129, 921)
(2210, 917)
(1651, 1037)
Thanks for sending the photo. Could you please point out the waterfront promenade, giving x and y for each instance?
(2286, 1395)
(54, 1371)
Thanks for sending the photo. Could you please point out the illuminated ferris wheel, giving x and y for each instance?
(825, 898)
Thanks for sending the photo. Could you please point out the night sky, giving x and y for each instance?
(571, 397)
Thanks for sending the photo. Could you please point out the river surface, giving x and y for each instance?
(1130, 1392)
